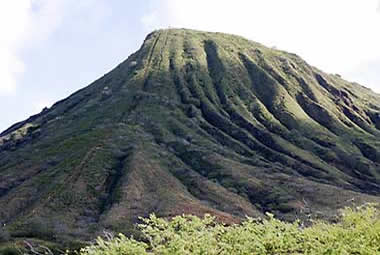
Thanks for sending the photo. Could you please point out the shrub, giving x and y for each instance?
(358, 232)
(120, 245)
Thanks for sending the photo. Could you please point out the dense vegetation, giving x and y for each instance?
(356, 232)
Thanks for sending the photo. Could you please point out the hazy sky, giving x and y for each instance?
(51, 48)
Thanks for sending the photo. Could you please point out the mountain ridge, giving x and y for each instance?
(193, 122)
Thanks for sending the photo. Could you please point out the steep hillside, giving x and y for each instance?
(193, 122)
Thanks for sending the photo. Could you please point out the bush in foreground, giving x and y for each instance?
(358, 232)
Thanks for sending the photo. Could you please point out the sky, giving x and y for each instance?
(51, 48)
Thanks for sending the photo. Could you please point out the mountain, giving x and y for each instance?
(193, 123)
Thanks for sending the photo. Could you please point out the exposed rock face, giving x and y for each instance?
(196, 123)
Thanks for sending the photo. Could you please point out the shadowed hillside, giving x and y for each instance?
(194, 123)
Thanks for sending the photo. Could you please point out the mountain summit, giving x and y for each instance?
(193, 123)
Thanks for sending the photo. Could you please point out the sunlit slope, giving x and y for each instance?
(193, 122)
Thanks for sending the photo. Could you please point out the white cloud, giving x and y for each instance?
(25, 24)
(22, 23)
(367, 73)
(30, 27)
(150, 20)
(44, 17)
(13, 21)
(159, 15)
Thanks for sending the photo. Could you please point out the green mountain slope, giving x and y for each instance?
(193, 122)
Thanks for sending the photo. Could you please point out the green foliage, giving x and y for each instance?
(118, 245)
(9, 251)
(357, 232)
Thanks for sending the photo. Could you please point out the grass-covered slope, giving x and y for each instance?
(193, 123)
